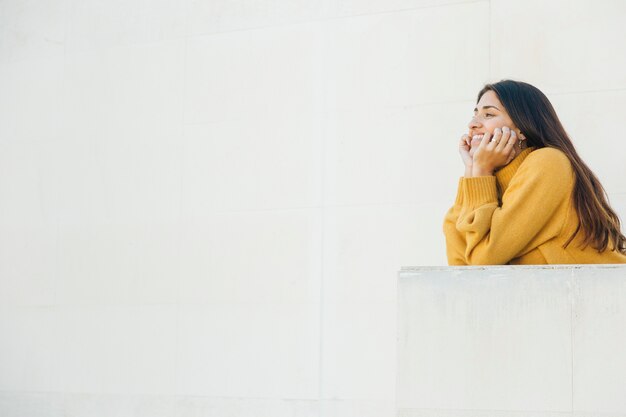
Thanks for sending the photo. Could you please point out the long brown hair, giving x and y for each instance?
(531, 111)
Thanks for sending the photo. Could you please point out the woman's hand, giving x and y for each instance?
(493, 153)
(464, 150)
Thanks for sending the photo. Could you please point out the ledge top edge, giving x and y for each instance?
(409, 269)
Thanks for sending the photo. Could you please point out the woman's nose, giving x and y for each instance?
(473, 123)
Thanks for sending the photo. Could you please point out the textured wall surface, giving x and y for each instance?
(204, 204)
(505, 341)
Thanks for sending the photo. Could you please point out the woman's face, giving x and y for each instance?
(488, 115)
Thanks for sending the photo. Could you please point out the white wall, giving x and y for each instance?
(211, 200)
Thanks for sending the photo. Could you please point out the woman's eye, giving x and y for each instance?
(488, 115)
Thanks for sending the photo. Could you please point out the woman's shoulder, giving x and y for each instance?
(551, 160)
(548, 166)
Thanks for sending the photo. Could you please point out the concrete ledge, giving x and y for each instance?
(536, 340)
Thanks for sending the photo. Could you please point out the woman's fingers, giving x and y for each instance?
(495, 151)
(507, 136)
(485, 141)
(465, 144)
(497, 137)
(508, 146)
(464, 150)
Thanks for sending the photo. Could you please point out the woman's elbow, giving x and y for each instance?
(482, 259)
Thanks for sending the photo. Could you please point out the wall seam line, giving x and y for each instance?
(571, 328)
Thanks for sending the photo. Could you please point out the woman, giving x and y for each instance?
(527, 197)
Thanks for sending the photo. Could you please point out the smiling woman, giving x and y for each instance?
(526, 196)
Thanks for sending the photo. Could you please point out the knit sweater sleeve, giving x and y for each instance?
(455, 240)
(531, 212)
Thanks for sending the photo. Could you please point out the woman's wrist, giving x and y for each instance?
(468, 171)
(478, 171)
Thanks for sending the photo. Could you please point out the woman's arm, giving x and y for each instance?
(529, 215)
(455, 240)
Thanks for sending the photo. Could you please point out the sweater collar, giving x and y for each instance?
(504, 175)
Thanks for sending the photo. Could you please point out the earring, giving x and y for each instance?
(522, 137)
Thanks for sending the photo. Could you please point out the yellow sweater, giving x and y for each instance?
(522, 215)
